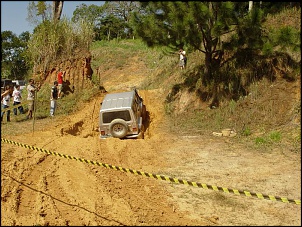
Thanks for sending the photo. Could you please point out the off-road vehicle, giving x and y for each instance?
(122, 115)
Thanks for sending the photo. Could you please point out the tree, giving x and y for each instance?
(111, 20)
(38, 13)
(194, 25)
(91, 13)
(45, 11)
(57, 7)
(112, 27)
(122, 10)
(13, 61)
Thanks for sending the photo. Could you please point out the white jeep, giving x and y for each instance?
(122, 115)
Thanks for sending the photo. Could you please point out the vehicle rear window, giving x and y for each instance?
(110, 116)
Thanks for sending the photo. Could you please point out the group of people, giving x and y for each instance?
(9, 92)
(5, 99)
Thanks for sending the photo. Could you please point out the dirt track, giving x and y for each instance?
(40, 189)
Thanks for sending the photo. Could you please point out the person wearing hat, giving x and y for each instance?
(53, 98)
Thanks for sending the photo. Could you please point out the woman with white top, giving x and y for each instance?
(5, 98)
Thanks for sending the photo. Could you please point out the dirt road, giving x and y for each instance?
(41, 189)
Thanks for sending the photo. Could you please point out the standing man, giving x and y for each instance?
(60, 82)
(53, 98)
(17, 99)
(31, 90)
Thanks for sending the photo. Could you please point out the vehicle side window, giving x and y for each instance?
(110, 116)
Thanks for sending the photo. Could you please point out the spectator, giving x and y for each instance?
(31, 91)
(53, 98)
(17, 100)
(182, 59)
(5, 98)
(185, 58)
(61, 75)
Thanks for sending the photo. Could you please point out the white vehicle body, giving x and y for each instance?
(22, 83)
(121, 115)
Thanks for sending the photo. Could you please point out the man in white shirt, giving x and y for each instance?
(182, 59)
(17, 99)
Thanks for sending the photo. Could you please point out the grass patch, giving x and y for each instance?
(272, 138)
(275, 136)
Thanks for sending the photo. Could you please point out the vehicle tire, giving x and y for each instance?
(118, 128)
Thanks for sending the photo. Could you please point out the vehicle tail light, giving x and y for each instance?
(134, 129)
(102, 132)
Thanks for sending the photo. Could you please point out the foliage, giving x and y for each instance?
(232, 41)
(200, 26)
(260, 141)
(271, 138)
(111, 28)
(277, 7)
(275, 136)
(53, 41)
(246, 131)
(122, 10)
(91, 13)
(13, 61)
(38, 12)
(110, 20)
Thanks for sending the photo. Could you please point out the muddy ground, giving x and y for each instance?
(41, 189)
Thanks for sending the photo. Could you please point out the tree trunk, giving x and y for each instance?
(250, 6)
(57, 7)
(208, 66)
(108, 35)
(212, 66)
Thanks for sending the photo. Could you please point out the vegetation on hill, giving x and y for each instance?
(257, 94)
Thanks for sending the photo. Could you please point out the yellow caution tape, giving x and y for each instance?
(161, 177)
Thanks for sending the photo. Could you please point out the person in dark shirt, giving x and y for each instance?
(53, 98)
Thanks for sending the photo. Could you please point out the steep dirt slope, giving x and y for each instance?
(40, 189)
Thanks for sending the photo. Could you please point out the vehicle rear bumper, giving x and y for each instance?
(127, 136)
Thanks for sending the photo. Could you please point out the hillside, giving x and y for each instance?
(40, 187)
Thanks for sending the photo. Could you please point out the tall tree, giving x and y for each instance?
(57, 8)
(92, 13)
(38, 13)
(13, 61)
(194, 25)
(110, 19)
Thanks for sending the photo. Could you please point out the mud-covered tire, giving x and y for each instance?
(118, 128)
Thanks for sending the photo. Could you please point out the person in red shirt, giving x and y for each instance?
(60, 82)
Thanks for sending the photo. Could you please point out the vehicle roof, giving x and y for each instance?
(118, 100)
(19, 82)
